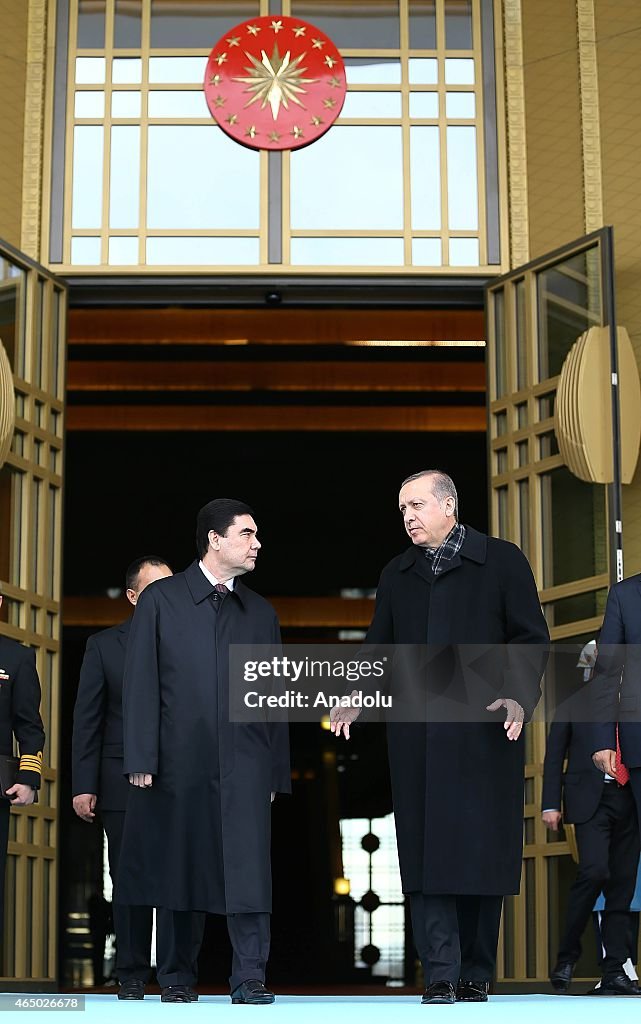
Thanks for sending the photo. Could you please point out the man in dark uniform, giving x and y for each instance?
(198, 825)
(19, 717)
(98, 782)
(457, 786)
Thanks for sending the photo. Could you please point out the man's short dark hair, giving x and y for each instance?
(133, 570)
(443, 486)
(218, 515)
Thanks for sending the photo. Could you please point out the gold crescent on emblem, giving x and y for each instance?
(7, 405)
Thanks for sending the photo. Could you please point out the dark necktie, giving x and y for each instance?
(218, 594)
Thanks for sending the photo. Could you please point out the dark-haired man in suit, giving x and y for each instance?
(98, 782)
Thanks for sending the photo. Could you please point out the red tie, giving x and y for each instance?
(621, 773)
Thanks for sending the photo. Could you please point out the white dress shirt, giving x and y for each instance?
(212, 579)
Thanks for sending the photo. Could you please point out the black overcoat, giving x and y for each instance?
(20, 709)
(458, 787)
(199, 838)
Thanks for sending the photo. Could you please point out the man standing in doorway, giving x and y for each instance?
(457, 787)
(198, 827)
(98, 784)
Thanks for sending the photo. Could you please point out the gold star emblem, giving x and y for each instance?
(297, 132)
(330, 62)
(232, 119)
(334, 81)
(215, 79)
(317, 44)
(274, 137)
(253, 29)
(275, 80)
(221, 58)
(277, 26)
(234, 41)
(330, 103)
(251, 132)
(220, 101)
(316, 121)
(300, 31)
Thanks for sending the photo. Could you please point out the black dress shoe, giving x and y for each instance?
(253, 992)
(617, 985)
(561, 976)
(133, 988)
(193, 995)
(175, 994)
(439, 992)
(472, 991)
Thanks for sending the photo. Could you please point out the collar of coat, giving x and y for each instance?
(474, 547)
(200, 587)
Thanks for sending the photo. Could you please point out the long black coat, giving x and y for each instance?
(458, 788)
(20, 709)
(97, 744)
(616, 683)
(199, 839)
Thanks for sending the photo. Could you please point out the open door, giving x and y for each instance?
(32, 380)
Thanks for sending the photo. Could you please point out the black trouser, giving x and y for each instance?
(249, 935)
(608, 846)
(5, 808)
(456, 936)
(133, 924)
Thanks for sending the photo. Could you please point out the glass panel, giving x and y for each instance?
(574, 535)
(358, 252)
(11, 505)
(372, 71)
(39, 337)
(424, 104)
(502, 508)
(522, 450)
(91, 24)
(36, 527)
(422, 18)
(125, 104)
(89, 104)
(569, 297)
(85, 251)
(86, 203)
(501, 461)
(546, 406)
(124, 192)
(203, 251)
(90, 70)
(123, 251)
(176, 24)
(521, 415)
(181, 194)
(12, 283)
(521, 336)
(372, 104)
(500, 423)
(55, 344)
(548, 445)
(464, 252)
(427, 252)
(460, 104)
(126, 71)
(500, 344)
(51, 547)
(524, 515)
(354, 25)
(177, 69)
(371, 162)
(459, 71)
(462, 185)
(423, 70)
(579, 606)
(127, 24)
(458, 24)
(178, 104)
(425, 176)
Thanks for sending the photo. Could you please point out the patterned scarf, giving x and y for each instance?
(440, 557)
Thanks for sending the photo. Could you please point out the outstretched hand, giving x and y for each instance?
(341, 718)
(514, 716)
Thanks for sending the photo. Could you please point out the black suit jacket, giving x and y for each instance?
(20, 709)
(97, 745)
(616, 686)
(582, 783)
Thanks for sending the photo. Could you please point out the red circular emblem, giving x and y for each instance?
(275, 83)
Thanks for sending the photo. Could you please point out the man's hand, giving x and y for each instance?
(514, 716)
(273, 796)
(141, 779)
(552, 819)
(341, 718)
(84, 805)
(606, 761)
(21, 795)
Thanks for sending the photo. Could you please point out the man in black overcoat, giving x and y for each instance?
(458, 786)
(604, 816)
(98, 783)
(19, 717)
(198, 825)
